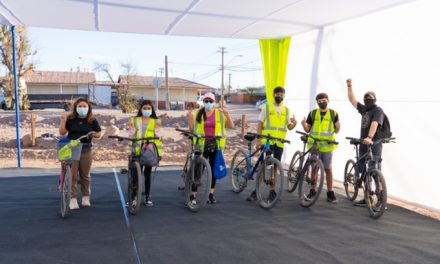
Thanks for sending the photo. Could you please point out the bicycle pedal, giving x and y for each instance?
(123, 171)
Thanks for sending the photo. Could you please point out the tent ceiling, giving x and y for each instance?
(255, 19)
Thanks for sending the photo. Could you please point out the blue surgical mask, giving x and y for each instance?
(147, 113)
(82, 111)
(208, 106)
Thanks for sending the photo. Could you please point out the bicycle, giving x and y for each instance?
(197, 174)
(375, 189)
(67, 152)
(268, 188)
(135, 185)
(310, 174)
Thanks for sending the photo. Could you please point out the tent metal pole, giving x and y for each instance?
(17, 101)
(315, 68)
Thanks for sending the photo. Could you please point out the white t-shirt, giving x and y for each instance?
(262, 115)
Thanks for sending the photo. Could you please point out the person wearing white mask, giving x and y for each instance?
(144, 125)
(78, 123)
(210, 122)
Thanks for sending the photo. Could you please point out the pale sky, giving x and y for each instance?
(189, 57)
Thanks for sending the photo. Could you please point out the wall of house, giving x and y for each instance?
(52, 89)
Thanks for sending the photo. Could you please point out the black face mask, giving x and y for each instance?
(322, 105)
(369, 103)
(278, 99)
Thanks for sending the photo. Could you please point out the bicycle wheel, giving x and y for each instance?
(239, 171)
(269, 185)
(198, 184)
(294, 171)
(375, 193)
(134, 191)
(65, 190)
(184, 173)
(311, 182)
(351, 177)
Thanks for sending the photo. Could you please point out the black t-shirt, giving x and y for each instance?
(375, 114)
(310, 118)
(79, 127)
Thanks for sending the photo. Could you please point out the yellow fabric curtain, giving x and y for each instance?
(275, 53)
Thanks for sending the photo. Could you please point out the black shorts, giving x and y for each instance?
(277, 152)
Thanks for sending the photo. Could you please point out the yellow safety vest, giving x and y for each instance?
(275, 124)
(220, 130)
(324, 129)
(149, 132)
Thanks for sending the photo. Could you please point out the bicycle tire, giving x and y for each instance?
(351, 176)
(375, 193)
(294, 171)
(267, 182)
(65, 191)
(184, 173)
(306, 182)
(239, 171)
(202, 183)
(134, 188)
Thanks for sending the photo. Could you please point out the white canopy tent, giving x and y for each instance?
(254, 19)
(318, 60)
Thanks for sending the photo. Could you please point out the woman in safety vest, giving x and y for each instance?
(210, 122)
(142, 126)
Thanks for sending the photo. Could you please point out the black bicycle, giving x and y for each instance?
(270, 172)
(197, 174)
(135, 185)
(309, 174)
(372, 179)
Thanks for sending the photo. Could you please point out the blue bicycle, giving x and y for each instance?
(270, 173)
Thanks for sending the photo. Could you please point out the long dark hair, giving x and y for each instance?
(74, 114)
(147, 102)
(201, 113)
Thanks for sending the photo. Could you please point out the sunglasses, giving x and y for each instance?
(208, 101)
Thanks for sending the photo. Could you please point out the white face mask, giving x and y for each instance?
(147, 113)
(209, 106)
(82, 111)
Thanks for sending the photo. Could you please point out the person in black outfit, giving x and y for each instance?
(78, 123)
(372, 119)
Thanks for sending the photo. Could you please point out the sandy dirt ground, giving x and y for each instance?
(110, 152)
(107, 152)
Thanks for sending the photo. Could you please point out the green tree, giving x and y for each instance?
(24, 67)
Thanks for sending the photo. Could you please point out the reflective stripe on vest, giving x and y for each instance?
(149, 132)
(220, 131)
(324, 129)
(275, 124)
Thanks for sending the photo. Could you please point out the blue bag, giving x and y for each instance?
(220, 170)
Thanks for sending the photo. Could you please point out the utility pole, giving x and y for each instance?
(229, 86)
(222, 50)
(167, 107)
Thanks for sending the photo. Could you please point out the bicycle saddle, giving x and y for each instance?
(249, 137)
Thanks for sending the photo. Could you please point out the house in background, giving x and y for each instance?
(182, 91)
(53, 88)
(249, 95)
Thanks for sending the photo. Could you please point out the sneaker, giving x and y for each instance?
(310, 195)
(85, 202)
(252, 197)
(331, 198)
(211, 199)
(360, 203)
(192, 199)
(148, 201)
(73, 205)
(272, 195)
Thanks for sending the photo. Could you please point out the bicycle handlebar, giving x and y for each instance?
(382, 140)
(191, 134)
(317, 139)
(269, 137)
(50, 135)
(119, 138)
